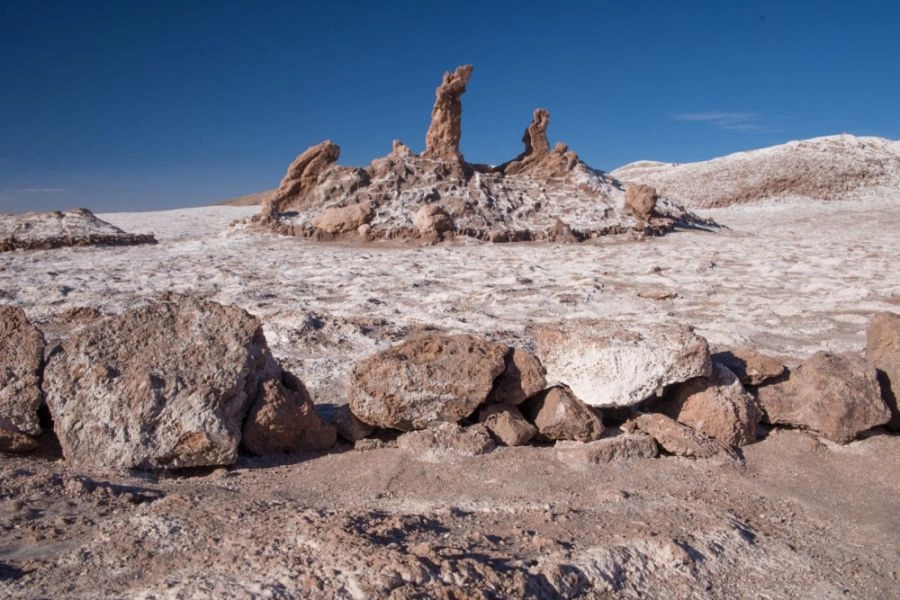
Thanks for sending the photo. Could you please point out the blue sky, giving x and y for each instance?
(122, 106)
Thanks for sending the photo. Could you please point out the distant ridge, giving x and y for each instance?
(254, 199)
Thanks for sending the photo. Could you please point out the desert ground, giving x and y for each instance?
(791, 516)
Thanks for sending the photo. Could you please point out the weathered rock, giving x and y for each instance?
(751, 367)
(523, 377)
(342, 219)
(284, 419)
(445, 130)
(165, 385)
(536, 145)
(834, 395)
(620, 447)
(432, 220)
(348, 426)
(640, 199)
(674, 437)
(507, 424)
(559, 415)
(21, 362)
(14, 441)
(719, 407)
(425, 380)
(610, 364)
(56, 229)
(447, 440)
(883, 351)
(301, 178)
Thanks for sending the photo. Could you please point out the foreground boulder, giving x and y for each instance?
(425, 380)
(447, 440)
(610, 364)
(641, 200)
(344, 218)
(284, 419)
(507, 424)
(674, 437)
(719, 407)
(21, 361)
(883, 351)
(165, 385)
(751, 367)
(559, 415)
(620, 447)
(834, 395)
(523, 377)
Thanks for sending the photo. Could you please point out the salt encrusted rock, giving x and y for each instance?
(298, 185)
(523, 377)
(751, 367)
(559, 415)
(425, 380)
(719, 407)
(55, 229)
(640, 199)
(445, 130)
(611, 364)
(21, 361)
(341, 219)
(284, 419)
(834, 395)
(165, 385)
(883, 351)
(432, 220)
(447, 440)
(674, 437)
(620, 447)
(507, 424)
(348, 426)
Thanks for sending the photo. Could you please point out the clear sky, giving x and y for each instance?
(126, 105)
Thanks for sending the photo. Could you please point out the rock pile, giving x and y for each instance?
(542, 194)
(55, 229)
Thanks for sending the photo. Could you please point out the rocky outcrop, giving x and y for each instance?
(522, 377)
(641, 200)
(626, 446)
(341, 219)
(57, 229)
(507, 424)
(610, 364)
(883, 351)
(674, 437)
(425, 380)
(21, 364)
(751, 367)
(166, 385)
(834, 395)
(445, 130)
(446, 441)
(719, 407)
(284, 419)
(433, 221)
(559, 415)
(298, 186)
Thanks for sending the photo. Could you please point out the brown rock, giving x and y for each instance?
(21, 361)
(536, 145)
(425, 380)
(445, 131)
(507, 424)
(640, 199)
(751, 367)
(14, 441)
(883, 351)
(719, 407)
(341, 219)
(559, 415)
(301, 178)
(432, 220)
(284, 419)
(447, 440)
(674, 437)
(835, 395)
(166, 385)
(620, 447)
(348, 426)
(523, 377)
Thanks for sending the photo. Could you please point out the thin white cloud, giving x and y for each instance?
(731, 121)
(40, 191)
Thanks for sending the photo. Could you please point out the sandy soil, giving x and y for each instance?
(792, 518)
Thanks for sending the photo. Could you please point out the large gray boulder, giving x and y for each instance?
(162, 386)
(21, 360)
(610, 364)
(425, 380)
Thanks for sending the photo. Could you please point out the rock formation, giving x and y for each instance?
(883, 351)
(673, 437)
(21, 363)
(559, 415)
(56, 229)
(543, 194)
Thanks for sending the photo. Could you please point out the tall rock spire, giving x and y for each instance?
(445, 131)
